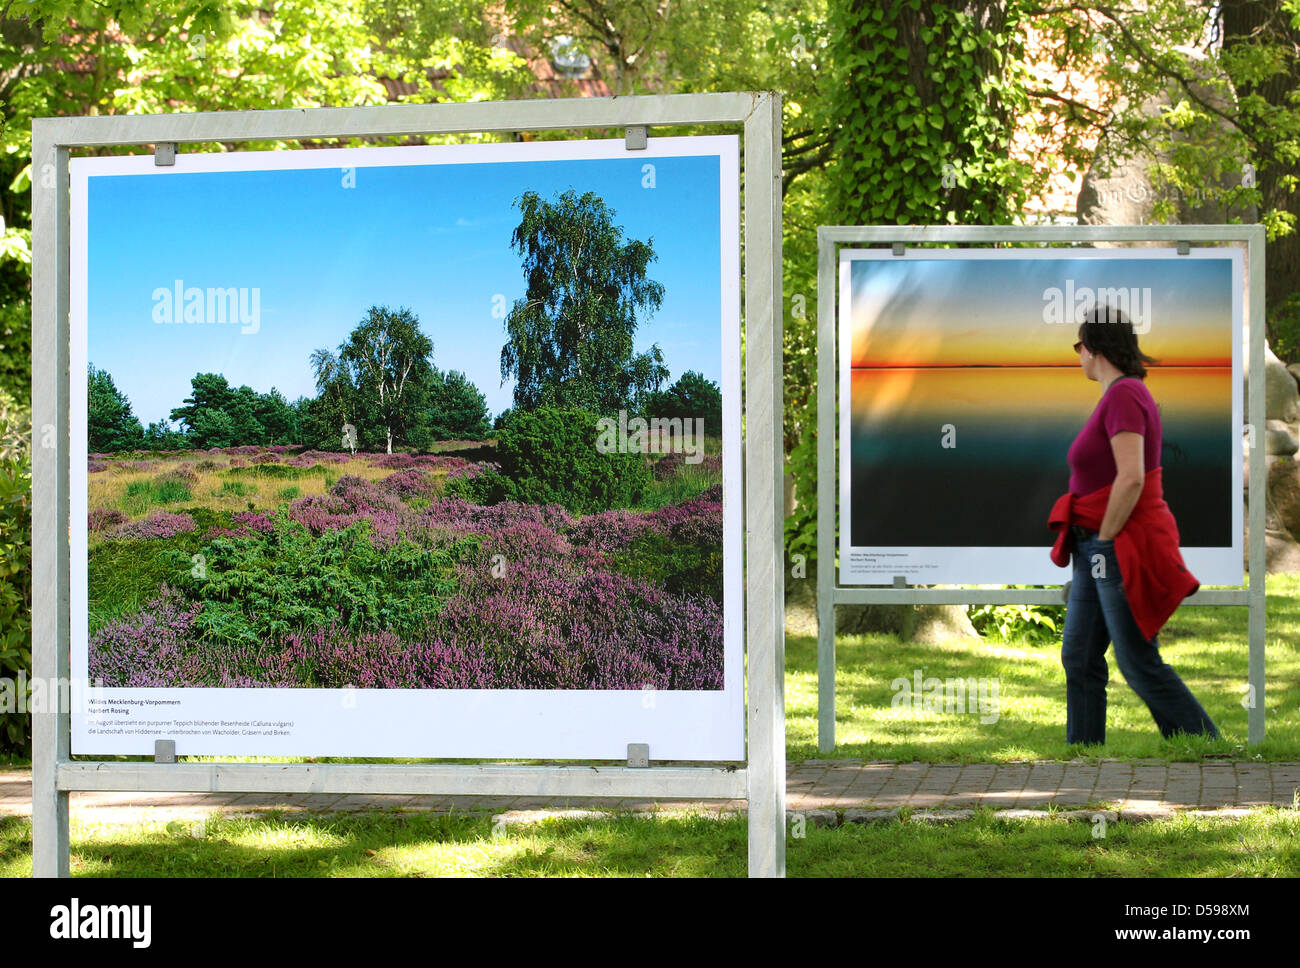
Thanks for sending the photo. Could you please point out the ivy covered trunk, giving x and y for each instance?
(925, 106)
(924, 103)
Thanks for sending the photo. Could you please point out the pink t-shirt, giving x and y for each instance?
(1127, 404)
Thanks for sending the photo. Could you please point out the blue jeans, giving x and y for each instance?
(1097, 614)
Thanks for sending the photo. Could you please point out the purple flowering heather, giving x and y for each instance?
(553, 627)
(246, 523)
(96, 466)
(538, 606)
(358, 494)
(670, 465)
(433, 462)
(397, 461)
(697, 522)
(253, 521)
(350, 500)
(459, 514)
(408, 483)
(335, 657)
(445, 462)
(469, 470)
(159, 524)
(666, 466)
(610, 530)
(154, 647)
(102, 519)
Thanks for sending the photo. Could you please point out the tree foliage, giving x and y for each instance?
(388, 358)
(1225, 77)
(692, 396)
(571, 338)
(215, 414)
(15, 565)
(110, 423)
(455, 408)
(926, 103)
(550, 456)
(62, 58)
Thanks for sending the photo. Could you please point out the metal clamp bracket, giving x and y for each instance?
(164, 751)
(635, 137)
(900, 249)
(1184, 248)
(638, 755)
(164, 154)
(900, 581)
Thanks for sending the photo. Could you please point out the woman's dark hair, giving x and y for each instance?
(1108, 332)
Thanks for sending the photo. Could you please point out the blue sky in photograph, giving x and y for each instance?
(432, 238)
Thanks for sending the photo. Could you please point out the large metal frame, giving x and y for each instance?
(762, 782)
(829, 591)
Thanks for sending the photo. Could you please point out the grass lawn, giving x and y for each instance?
(411, 845)
(1207, 646)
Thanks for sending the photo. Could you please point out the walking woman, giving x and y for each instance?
(1129, 575)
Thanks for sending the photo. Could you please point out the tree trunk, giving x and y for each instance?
(1244, 21)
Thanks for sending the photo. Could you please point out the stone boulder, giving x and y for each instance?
(1284, 494)
(1281, 517)
(1281, 401)
(1281, 443)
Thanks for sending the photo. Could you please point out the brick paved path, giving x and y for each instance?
(1136, 789)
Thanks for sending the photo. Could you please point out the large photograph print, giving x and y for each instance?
(960, 394)
(423, 451)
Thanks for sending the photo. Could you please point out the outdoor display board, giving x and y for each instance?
(960, 394)
(223, 595)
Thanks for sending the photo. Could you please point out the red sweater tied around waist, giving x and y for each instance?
(1155, 578)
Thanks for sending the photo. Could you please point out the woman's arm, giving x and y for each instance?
(1130, 476)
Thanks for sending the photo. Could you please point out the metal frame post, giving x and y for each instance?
(764, 492)
(829, 591)
(51, 726)
(763, 779)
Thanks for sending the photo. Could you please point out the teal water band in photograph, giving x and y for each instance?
(998, 482)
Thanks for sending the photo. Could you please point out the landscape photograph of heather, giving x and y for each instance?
(433, 430)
